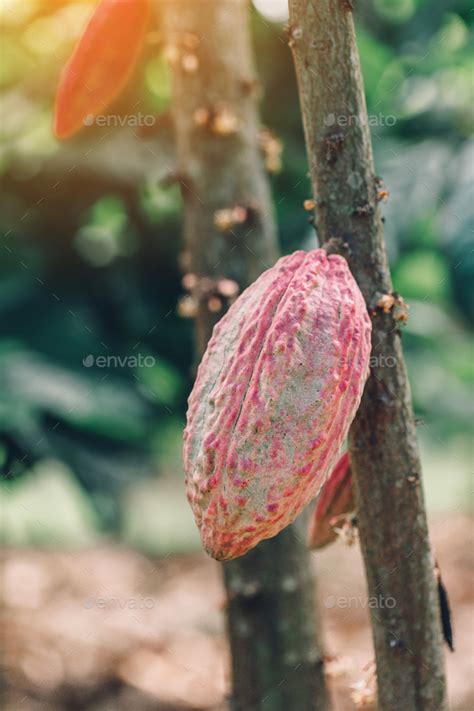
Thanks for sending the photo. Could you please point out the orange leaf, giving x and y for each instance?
(101, 63)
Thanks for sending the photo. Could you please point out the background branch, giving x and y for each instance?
(230, 232)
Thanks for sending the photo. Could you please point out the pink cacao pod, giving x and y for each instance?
(336, 499)
(274, 396)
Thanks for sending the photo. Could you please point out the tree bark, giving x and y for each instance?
(276, 658)
(383, 444)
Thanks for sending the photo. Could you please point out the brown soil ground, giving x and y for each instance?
(110, 628)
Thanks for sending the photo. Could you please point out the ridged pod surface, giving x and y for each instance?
(336, 499)
(274, 396)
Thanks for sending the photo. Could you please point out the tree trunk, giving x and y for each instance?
(276, 659)
(383, 446)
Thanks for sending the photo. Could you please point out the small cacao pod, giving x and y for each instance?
(274, 396)
(335, 500)
(101, 63)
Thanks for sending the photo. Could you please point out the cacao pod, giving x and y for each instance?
(274, 396)
(101, 63)
(335, 500)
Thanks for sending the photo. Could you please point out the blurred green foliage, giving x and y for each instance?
(91, 239)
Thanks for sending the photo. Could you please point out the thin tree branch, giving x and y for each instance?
(383, 445)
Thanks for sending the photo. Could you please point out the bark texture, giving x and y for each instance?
(276, 658)
(383, 443)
